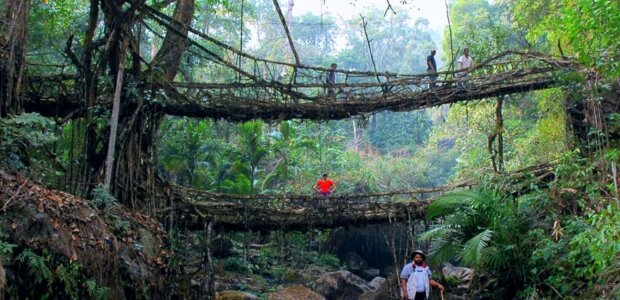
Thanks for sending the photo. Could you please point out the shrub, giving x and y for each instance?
(328, 260)
(21, 138)
(236, 265)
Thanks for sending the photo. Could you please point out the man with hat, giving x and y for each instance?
(415, 278)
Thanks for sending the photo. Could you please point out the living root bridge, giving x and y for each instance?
(309, 98)
(241, 110)
(300, 212)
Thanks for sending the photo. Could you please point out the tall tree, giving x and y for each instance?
(13, 42)
(136, 159)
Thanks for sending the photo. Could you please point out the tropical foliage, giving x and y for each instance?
(486, 230)
(552, 239)
(25, 141)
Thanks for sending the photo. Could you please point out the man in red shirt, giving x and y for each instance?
(324, 185)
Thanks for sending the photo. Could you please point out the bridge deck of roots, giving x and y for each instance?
(291, 212)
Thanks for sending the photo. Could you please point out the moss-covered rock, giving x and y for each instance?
(234, 295)
(295, 292)
(293, 276)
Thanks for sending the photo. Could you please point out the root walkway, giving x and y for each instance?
(295, 212)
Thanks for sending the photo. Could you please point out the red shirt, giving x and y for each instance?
(324, 185)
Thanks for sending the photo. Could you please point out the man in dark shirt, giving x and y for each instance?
(431, 68)
(331, 75)
(331, 80)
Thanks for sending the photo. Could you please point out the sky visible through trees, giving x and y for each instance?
(345, 17)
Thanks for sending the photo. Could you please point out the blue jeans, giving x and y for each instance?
(462, 79)
(433, 77)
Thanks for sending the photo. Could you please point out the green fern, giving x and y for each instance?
(6, 249)
(102, 198)
(37, 266)
(20, 135)
(493, 258)
(96, 292)
(70, 276)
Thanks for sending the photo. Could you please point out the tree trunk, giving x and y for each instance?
(136, 173)
(168, 58)
(209, 280)
(13, 42)
(499, 121)
(133, 178)
(116, 103)
(591, 119)
(356, 137)
(497, 154)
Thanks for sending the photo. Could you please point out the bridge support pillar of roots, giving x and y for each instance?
(592, 110)
(13, 41)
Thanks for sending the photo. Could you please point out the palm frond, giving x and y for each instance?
(277, 173)
(492, 258)
(435, 233)
(454, 202)
(241, 185)
(472, 250)
(444, 251)
(457, 220)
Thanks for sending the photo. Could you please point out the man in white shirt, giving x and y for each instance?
(415, 278)
(465, 63)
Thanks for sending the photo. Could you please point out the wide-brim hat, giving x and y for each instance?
(418, 252)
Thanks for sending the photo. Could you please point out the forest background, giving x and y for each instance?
(564, 235)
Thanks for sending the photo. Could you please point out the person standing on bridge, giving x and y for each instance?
(431, 68)
(415, 278)
(465, 63)
(324, 186)
(331, 80)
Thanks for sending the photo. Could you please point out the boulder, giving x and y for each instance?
(293, 276)
(369, 274)
(355, 262)
(460, 278)
(380, 290)
(341, 285)
(295, 292)
(378, 283)
(234, 295)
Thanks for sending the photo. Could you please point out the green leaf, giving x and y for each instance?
(473, 248)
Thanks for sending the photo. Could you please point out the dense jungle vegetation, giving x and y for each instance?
(553, 235)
